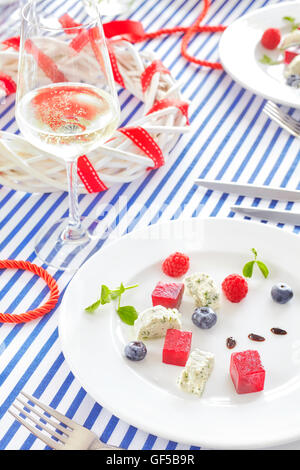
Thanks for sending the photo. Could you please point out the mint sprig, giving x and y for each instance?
(128, 314)
(248, 268)
(292, 21)
(268, 61)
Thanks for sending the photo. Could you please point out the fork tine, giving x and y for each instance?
(292, 122)
(63, 419)
(288, 119)
(44, 417)
(273, 109)
(52, 433)
(47, 440)
(277, 114)
(282, 123)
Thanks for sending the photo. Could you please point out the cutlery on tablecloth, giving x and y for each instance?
(67, 434)
(285, 217)
(283, 119)
(280, 194)
(266, 192)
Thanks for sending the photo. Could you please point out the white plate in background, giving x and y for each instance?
(240, 51)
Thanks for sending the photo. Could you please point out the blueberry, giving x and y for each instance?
(204, 317)
(296, 83)
(293, 80)
(135, 350)
(281, 293)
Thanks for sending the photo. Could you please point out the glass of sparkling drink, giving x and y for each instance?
(67, 105)
(111, 8)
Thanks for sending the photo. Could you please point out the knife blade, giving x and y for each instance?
(265, 192)
(284, 217)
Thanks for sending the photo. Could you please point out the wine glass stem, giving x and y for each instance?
(74, 230)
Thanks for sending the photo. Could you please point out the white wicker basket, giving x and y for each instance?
(24, 167)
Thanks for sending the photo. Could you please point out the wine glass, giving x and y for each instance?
(67, 105)
(111, 8)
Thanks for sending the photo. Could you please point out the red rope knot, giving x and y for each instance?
(40, 311)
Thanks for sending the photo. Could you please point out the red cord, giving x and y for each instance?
(189, 32)
(38, 312)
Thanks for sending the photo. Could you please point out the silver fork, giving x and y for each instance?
(284, 120)
(71, 436)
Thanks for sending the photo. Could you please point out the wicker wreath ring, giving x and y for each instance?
(124, 158)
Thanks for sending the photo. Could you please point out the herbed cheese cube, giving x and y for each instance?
(155, 321)
(196, 372)
(203, 290)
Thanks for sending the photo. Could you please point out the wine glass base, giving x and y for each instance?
(54, 247)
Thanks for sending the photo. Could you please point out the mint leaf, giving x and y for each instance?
(118, 292)
(131, 287)
(105, 297)
(263, 268)
(114, 294)
(128, 314)
(121, 289)
(248, 269)
(268, 61)
(295, 26)
(289, 18)
(93, 307)
(292, 21)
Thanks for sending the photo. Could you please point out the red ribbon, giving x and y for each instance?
(7, 84)
(45, 63)
(68, 24)
(142, 139)
(114, 65)
(152, 69)
(128, 29)
(79, 41)
(89, 176)
(166, 103)
(13, 42)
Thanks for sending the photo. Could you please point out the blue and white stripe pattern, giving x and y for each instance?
(230, 139)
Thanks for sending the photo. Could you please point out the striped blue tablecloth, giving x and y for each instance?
(230, 139)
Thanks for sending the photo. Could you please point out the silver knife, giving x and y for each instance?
(279, 194)
(285, 217)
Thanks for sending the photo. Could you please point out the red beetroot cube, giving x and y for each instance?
(177, 347)
(247, 372)
(289, 56)
(168, 295)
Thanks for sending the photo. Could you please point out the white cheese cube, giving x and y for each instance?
(293, 68)
(291, 39)
(155, 321)
(196, 372)
(203, 290)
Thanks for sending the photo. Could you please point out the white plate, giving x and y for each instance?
(240, 51)
(145, 394)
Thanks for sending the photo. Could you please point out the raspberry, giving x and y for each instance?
(176, 265)
(235, 287)
(271, 38)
